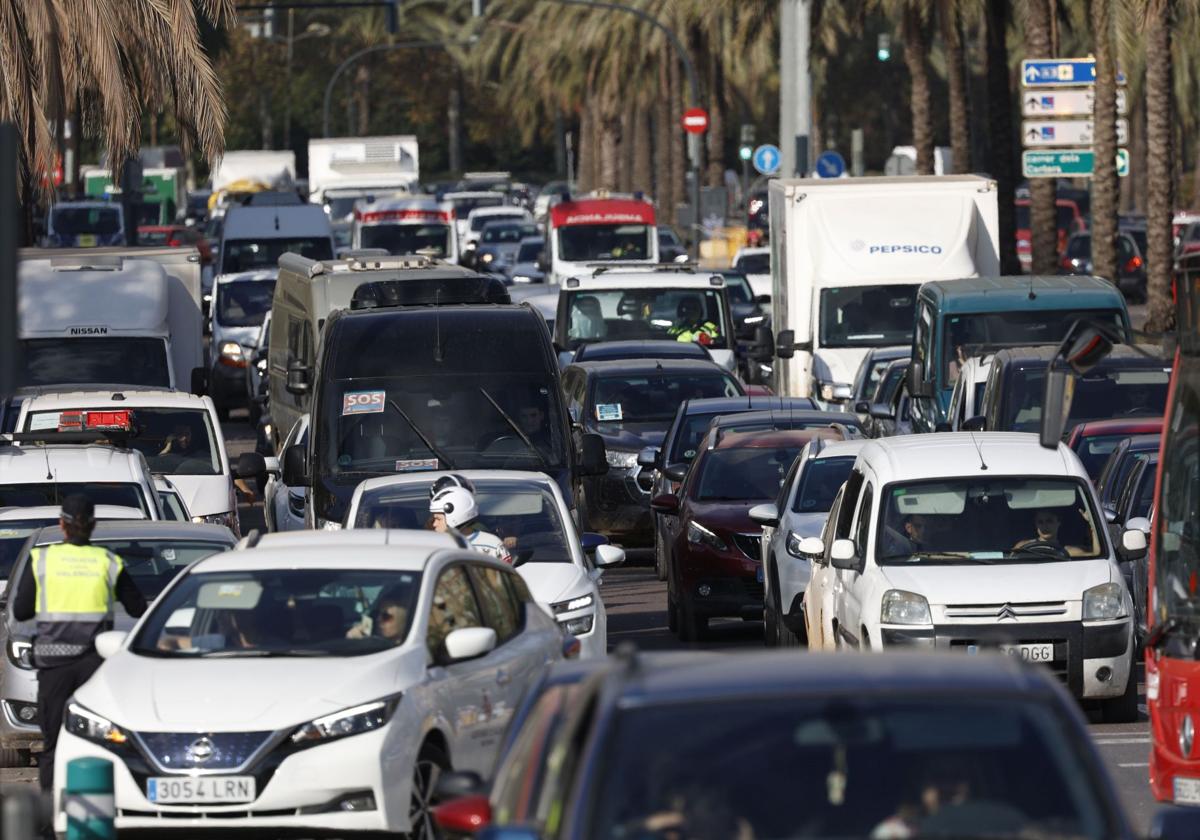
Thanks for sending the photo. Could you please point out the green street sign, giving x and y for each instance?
(1067, 163)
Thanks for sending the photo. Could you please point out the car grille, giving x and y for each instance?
(749, 544)
(1032, 609)
(178, 751)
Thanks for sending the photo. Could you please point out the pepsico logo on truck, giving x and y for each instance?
(896, 248)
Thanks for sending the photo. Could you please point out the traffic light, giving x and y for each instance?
(883, 48)
(746, 152)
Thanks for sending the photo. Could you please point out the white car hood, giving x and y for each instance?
(155, 695)
(203, 495)
(1015, 583)
(760, 284)
(550, 583)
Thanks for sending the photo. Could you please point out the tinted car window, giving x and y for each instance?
(819, 483)
(244, 304)
(52, 494)
(248, 254)
(743, 474)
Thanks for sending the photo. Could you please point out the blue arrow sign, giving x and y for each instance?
(830, 165)
(1061, 72)
(767, 158)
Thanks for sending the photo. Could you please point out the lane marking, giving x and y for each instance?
(1106, 742)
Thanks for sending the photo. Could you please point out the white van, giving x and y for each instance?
(256, 237)
(404, 225)
(968, 542)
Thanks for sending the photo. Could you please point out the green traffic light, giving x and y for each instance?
(745, 153)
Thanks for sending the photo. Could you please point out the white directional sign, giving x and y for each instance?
(1061, 72)
(1065, 103)
(1042, 133)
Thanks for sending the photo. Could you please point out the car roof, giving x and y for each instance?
(68, 463)
(839, 448)
(723, 405)
(1000, 294)
(475, 476)
(636, 279)
(1121, 425)
(359, 548)
(959, 454)
(144, 529)
(641, 366)
(803, 415)
(117, 398)
(769, 438)
(881, 354)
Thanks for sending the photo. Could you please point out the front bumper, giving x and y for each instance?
(720, 584)
(18, 692)
(298, 791)
(1081, 650)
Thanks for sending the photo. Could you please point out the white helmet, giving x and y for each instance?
(457, 504)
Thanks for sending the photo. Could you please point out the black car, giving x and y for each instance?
(866, 380)
(1115, 474)
(1131, 265)
(630, 405)
(607, 351)
(826, 746)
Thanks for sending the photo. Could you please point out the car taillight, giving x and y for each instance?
(1133, 264)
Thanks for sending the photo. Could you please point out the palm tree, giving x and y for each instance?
(119, 59)
(950, 16)
(1043, 221)
(1159, 20)
(1000, 129)
(1104, 143)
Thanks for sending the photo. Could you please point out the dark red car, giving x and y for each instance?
(175, 236)
(1093, 442)
(715, 565)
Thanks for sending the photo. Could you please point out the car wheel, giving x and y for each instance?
(1123, 709)
(14, 757)
(864, 641)
(660, 562)
(431, 763)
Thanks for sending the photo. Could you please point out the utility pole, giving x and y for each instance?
(795, 88)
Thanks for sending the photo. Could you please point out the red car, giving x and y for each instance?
(175, 236)
(1094, 441)
(715, 566)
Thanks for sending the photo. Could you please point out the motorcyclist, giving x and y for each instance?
(454, 507)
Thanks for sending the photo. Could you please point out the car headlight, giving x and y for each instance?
(88, 725)
(1104, 602)
(579, 626)
(900, 607)
(352, 721)
(621, 459)
(225, 519)
(20, 653)
(486, 258)
(573, 604)
(522, 278)
(700, 535)
(751, 320)
(232, 355)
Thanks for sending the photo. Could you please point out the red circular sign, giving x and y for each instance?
(695, 121)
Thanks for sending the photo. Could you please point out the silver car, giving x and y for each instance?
(283, 506)
(153, 553)
(240, 304)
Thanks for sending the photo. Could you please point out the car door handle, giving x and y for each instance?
(503, 677)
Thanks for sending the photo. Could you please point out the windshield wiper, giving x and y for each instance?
(524, 437)
(259, 653)
(441, 456)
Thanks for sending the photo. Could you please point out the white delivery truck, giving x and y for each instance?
(342, 170)
(847, 258)
(277, 170)
(94, 318)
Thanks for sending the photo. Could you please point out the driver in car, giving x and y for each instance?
(1047, 522)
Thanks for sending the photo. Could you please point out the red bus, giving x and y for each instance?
(1173, 614)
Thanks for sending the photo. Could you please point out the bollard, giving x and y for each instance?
(88, 800)
(18, 815)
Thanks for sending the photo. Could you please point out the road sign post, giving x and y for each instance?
(767, 158)
(10, 213)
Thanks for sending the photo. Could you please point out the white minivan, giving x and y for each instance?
(969, 542)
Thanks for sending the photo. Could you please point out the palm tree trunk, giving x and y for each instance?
(587, 150)
(642, 151)
(624, 179)
(363, 83)
(956, 71)
(663, 195)
(914, 26)
(1000, 131)
(1160, 166)
(1043, 221)
(715, 138)
(678, 158)
(1104, 143)
(1137, 126)
(454, 125)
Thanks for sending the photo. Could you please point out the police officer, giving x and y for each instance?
(69, 588)
(691, 325)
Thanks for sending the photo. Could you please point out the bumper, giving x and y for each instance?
(1082, 652)
(15, 731)
(302, 792)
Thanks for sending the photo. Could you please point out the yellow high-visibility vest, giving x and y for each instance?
(75, 593)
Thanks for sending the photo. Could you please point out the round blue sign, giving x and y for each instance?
(831, 165)
(767, 158)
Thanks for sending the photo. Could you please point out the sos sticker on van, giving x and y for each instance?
(363, 402)
(904, 249)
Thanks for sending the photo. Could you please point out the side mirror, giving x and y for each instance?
(762, 300)
(862, 407)
(609, 555)
(676, 472)
(811, 547)
(591, 542)
(593, 455)
(665, 503)
(784, 344)
(917, 386)
(882, 411)
(1133, 545)
(297, 378)
(295, 466)
(250, 465)
(842, 555)
(1084, 346)
(1056, 406)
(763, 349)
(1139, 523)
(108, 643)
(974, 424)
(766, 514)
(648, 458)
(470, 643)
(199, 381)
(271, 463)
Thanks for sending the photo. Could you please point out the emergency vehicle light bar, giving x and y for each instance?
(403, 215)
(96, 421)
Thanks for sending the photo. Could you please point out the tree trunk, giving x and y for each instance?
(1043, 221)
(664, 182)
(1160, 166)
(610, 119)
(1000, 131)
(956, 71)
(642, 151)
(362, 81)
(1104, 143)
(915, 32)
(715, 137)
(678, 157)
(454, 125)
(625, 167)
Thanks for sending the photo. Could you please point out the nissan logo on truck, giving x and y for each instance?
(88, 331)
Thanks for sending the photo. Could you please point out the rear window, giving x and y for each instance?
(52, 494)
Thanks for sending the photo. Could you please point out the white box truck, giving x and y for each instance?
(847, 258)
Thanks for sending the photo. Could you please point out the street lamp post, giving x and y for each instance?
(314, 30)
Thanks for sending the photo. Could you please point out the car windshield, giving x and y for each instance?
(522, 513)
(281, 612)
(76, 220)
(1093, 451)
(506, 233)
(95, 361)
(743, 474)
(972, 335)
(153, 563)
(696, 315)
(969, 520)
(530, 249)
(737, 287)
(625, 399)
(341, 206)
(1102, 394)
(820, 482)
(244, 303)
(175, 441)
(482, 219)
(52, 494)
(464, 206)
(994, 767)
(407, 239)
(754, 264)
(249, 254)
(587, 243)
(867, 316)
